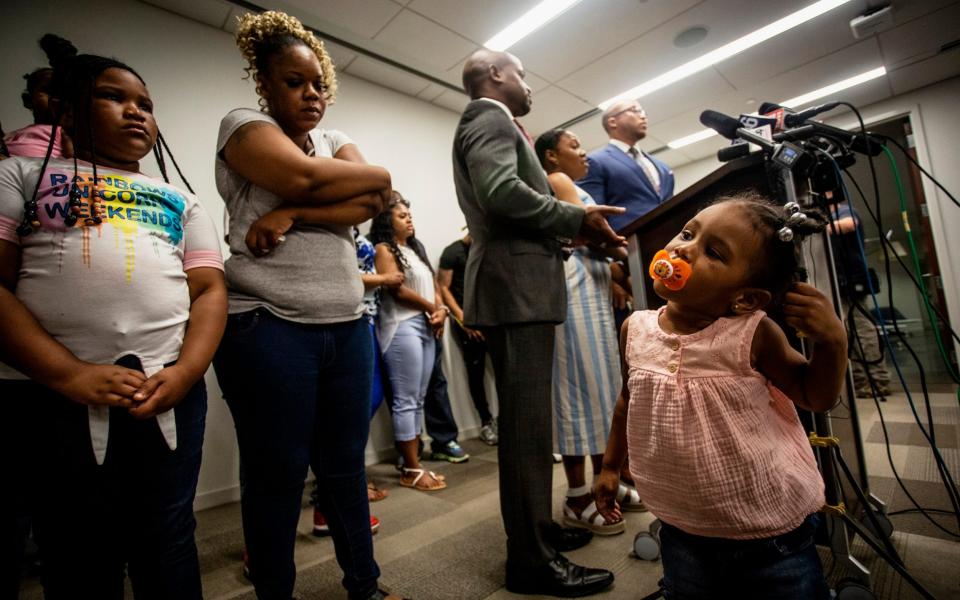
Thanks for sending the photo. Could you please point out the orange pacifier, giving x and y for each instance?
(673, 272)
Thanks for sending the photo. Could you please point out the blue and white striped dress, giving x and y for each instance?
(586, 362)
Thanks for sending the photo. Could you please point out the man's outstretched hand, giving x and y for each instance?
(596, 230)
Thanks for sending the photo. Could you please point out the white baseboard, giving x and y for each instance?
(204, 500)
(216, 497)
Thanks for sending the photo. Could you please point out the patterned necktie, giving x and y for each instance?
(524, 132)
(647, 166)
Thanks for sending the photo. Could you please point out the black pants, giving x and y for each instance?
(475, 360)
(522, 358)
(437, 414)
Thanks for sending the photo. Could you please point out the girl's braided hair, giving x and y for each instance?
(262, 36)
(782, 259)
(73, 80)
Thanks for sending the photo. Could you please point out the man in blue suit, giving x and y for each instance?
(620, 173)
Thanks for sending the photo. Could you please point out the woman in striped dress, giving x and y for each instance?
(586, 366)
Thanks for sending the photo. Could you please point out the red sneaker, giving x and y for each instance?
(246, 565)
(322, 529)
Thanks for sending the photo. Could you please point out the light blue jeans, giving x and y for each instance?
(409, 361)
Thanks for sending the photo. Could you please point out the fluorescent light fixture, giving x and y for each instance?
(834, 88)
(726, 51)
(532, 20)
(796, 102)
(693, 138)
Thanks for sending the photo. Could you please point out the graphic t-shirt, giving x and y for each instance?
(110, 290)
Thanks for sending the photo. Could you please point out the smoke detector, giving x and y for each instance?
(872, 22)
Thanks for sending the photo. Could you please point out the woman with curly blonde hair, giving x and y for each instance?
(295, 362)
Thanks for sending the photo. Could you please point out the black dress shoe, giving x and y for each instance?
(566, 539)
(559, 577)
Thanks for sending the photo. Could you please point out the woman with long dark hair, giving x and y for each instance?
(411, 315)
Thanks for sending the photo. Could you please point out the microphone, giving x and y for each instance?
(732, 129)
(856, 141)
(721, 123)
(795, 119)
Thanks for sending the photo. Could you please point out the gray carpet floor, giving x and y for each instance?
(450, 544)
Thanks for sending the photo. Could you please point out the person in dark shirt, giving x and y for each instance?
(473, 347)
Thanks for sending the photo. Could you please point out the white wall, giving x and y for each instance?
(933, 113)
(194, 75)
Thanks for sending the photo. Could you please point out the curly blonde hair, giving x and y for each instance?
(261, 36)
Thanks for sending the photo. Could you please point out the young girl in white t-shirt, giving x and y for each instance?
(112, 302)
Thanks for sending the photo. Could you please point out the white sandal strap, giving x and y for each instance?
(592, 515)
(576, 492)
(419, 476)
(624, 492)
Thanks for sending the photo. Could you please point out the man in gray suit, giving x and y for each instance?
(515, 292)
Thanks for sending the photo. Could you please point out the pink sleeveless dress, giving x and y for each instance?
(715, 449)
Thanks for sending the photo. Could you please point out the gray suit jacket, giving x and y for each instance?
(515, 271)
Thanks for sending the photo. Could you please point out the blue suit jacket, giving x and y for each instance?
(616, 179)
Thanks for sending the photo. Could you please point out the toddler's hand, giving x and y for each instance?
(102, 385)
(806, 309)
(605, 495)
(267, 232)
(161, 392)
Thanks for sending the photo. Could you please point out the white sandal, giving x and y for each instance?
(592, 520)
(423, 488)
(629, 500)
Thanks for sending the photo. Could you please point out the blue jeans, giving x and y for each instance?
(784, 567)
(134, 513)
(409, 360)
(300, 397)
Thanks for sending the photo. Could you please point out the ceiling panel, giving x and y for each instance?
(850, 61)
(454, 76)
(362, 17)
(211, 12)
(550, 107)
(430, 92)
(907, 10)
(673, 158)
(694, 92)
(432, 44)
(827, 33)
(654, 53)
(452, 101)
(590, 30)
(387, 76)
(342, 57)
(922, 36)
(476, 21)
(925, 72)
(236, 13)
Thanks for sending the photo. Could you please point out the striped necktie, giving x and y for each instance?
(648, 168)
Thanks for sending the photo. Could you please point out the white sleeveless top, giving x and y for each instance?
(418, 278)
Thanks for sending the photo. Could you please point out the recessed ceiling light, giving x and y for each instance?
(795, 102)
(726, 51)
(532, 20)
(690, 37)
